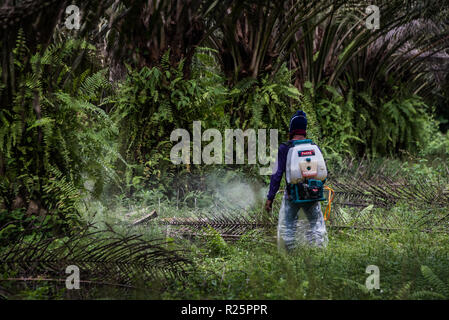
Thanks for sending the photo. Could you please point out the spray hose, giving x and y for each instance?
(330, 198)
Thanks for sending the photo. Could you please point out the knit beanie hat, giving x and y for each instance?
(298, 123)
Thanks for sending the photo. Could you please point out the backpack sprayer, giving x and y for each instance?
(306, 174)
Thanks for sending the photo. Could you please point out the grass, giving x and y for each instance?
(253, 268)
(413, 264)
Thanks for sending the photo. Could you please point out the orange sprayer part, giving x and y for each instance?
(330, 198)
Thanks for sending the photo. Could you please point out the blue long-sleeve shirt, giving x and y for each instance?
(280, 165)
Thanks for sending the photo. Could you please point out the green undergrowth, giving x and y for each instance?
(413, 264)
(253, 268)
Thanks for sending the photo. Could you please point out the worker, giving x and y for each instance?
(314, 229)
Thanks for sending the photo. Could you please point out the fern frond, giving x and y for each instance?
(434, 281)
(425, 295)
(91, 84)
(404, 292)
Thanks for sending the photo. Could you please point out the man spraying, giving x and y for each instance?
(306, 172)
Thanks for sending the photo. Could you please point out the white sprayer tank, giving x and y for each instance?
(305, 161)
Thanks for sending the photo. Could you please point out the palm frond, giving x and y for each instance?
(103, 256)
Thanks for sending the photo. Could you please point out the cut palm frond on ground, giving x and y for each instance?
(102, 256)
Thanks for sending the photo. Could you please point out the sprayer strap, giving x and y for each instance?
(287, 143)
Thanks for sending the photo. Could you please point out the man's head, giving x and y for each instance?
(298, 124)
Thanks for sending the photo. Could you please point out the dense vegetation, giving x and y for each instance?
(86, 117)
